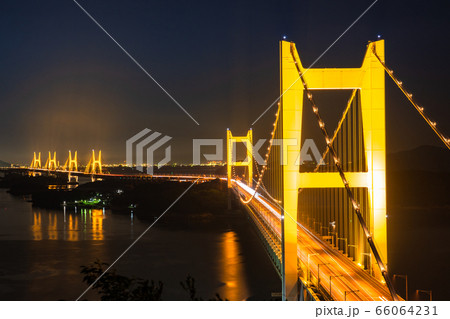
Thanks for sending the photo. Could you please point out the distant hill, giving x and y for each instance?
(4, 164)
(423, 158)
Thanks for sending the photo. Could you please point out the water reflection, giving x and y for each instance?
(52, 226)
(72, 232)
(36, 228)
(47, 247)
(97, 216)
(87, 225)
(232, 273)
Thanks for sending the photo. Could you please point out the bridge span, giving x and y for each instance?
(324, 226)
(325, 272)
(324, 229)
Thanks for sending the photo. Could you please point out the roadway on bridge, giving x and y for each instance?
(182, 177)
(348, 281)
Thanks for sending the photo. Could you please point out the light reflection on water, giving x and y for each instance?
(73, 226)
(36, 228)
(233, 273)
(46, 247)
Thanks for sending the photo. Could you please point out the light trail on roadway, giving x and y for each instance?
(334, 274)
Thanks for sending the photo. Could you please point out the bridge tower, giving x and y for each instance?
(51, 163)
(71, 165)
(231, 158)
(36, 163)
(231, 155)
(368, 80)
(95, 165)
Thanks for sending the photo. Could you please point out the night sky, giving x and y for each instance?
(65, 85)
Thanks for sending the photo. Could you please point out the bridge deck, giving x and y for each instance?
(109, 175)
(353, 283)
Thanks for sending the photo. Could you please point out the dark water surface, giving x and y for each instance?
(41, 252)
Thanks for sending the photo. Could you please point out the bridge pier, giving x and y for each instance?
(72, 178)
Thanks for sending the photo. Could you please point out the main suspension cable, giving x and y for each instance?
(266, 159)
(409, 96)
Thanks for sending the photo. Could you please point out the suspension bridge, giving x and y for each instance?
(94, 170)
(324, 228)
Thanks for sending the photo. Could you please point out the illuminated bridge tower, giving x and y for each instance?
(95, 165)
(36, 163)
(370, 178)
(71, 165)
(231, 158)
(51, 163)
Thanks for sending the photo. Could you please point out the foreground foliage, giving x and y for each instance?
(111, 286)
